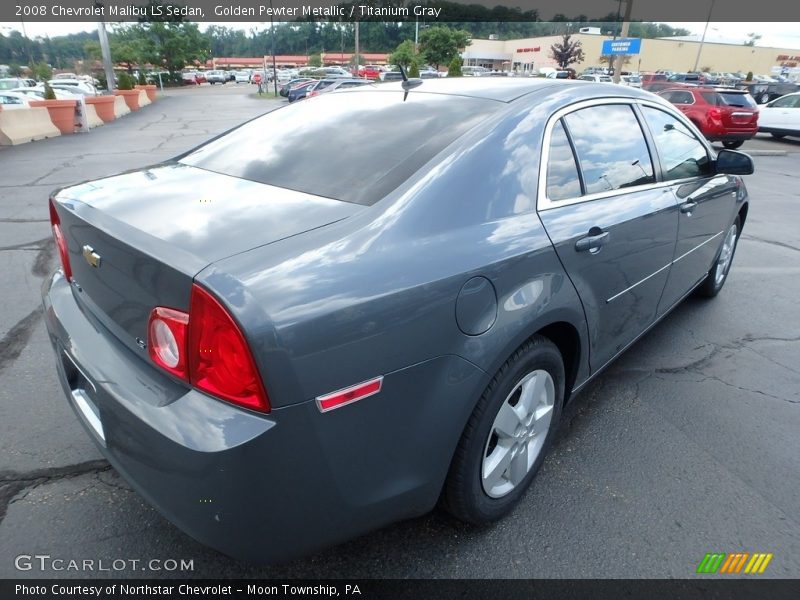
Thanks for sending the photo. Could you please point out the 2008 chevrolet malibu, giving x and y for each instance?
(347, 310)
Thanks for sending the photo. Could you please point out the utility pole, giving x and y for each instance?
(274, 67)
(619, 15)
(623, 34)
(357, 57)
(703, 39)
(105, 51)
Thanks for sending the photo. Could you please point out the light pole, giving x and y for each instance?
(623, 34)
(703, 39)
(274, 67)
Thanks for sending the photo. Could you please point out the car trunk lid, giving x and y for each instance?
(136, 240)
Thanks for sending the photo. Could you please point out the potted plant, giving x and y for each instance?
(104, 106)
(62, 112)
(150, 89)
(125, 89)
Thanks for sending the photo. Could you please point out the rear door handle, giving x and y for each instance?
(688, 207)
(591, 242)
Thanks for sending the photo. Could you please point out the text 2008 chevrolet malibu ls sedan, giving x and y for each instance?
(282, 343)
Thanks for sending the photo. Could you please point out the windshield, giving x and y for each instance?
(732, 99)
(387, 138)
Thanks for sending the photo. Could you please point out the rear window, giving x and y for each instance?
(354, 146)
(733, 99)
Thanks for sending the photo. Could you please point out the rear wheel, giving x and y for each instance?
(507, 435)
(719, 272)
(733, 145)
(764, 98)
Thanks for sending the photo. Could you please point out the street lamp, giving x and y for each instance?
(272, 31)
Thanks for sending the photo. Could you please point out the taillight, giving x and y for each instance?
(166, 333)
(207, 349)
(61, 243)
(715, 113)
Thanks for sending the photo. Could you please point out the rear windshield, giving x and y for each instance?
(355, 146)
(732, 99)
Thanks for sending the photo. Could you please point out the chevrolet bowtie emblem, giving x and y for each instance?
(92, 257)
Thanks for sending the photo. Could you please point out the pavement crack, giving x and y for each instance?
(13, 483)
(14, 341)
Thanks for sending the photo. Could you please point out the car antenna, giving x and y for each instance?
(408, 84)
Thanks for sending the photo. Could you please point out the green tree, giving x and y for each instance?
(404, 54)
(315, 60)
(41, 71)
(752, 38)
(454, 69)
(171, 45)
(125, 81)
(567, 51)
(413, 69)
(440, 45)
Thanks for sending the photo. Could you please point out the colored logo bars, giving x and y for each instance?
(734, 563)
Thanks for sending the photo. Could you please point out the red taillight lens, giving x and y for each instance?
(220, 361)
(61, 243)
(166, 333)
(715, 113)
(206, 348)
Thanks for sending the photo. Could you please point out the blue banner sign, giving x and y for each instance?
(622, 46)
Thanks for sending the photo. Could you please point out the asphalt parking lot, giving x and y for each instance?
(688, 444)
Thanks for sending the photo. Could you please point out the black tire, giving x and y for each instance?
(778, 136)
(464, 496)
(733, 145)
(711, 286)
(764, 98)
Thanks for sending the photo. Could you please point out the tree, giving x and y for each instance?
(752, 38)
(315, 60)
(440, 45)
(404, 54)
(413, 68)
(567, 51)
(41, 71)
(454, 69)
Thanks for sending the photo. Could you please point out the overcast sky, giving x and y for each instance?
(779, 35)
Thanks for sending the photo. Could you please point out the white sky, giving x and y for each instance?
(780, 35)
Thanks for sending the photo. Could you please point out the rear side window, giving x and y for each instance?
(679, 97)
(682, 154)
(562, 172)
(786, 102)
(736, 100)
(387, 138)
(611, 148)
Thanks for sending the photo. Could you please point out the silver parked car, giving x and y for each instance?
(282, 346)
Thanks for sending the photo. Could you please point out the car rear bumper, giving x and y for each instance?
(264, 488)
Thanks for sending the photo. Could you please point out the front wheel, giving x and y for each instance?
(507, 435)
(733, 145)
(716, 277)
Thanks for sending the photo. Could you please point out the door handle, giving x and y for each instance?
(591, 242)
(688, 207)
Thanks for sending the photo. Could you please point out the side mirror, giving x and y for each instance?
(733, 162)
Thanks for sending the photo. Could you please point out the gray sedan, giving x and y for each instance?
(282, 346)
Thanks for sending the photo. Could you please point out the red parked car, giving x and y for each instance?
(722, 114)
(370, 71)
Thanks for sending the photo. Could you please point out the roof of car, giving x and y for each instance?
(507, 89)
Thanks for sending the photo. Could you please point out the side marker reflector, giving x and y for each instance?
(350, 394)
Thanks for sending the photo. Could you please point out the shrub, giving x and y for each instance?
(749, 76)
(454, 70)
(125, 82)
(413, 70)
(49, 94)
(142, 79)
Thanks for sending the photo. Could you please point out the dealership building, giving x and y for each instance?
(674, 54)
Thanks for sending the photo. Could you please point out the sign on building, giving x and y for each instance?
(622, 46)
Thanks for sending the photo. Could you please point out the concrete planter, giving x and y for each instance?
(104, 105)
(62, 113)
(150, 89)
(131, 98)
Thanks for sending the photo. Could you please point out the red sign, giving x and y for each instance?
(536, 49)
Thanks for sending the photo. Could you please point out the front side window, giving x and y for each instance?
(611, 148)
(682, 154)
(562, 172)
(786, 102)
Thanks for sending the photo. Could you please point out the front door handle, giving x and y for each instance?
(688, 207)
(591, 242)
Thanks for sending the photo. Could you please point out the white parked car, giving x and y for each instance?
(74, 85)
(242, 76)
(630, 80)
(13, 100)
(781, 117)
(597, 78)
(37, 93)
